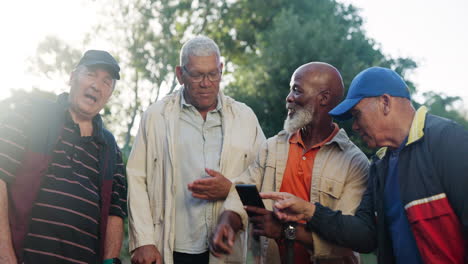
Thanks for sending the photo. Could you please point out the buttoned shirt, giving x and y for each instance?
(297, 180)
(199, 144)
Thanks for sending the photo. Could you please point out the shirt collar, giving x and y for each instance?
(98, 127)
(184, 103)
(296, 138)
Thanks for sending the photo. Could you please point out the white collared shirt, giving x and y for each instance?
(199, 143)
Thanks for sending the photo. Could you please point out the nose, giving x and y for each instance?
(205, 82)
(290, 98)
(94, 86)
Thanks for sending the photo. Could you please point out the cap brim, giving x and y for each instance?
(341, 111)
(108, 66)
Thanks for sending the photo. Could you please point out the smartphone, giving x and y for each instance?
(249, 195)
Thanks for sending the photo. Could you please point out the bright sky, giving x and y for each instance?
(434, 33)
(24, 24)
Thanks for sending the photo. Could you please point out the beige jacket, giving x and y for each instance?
(339, 179)
(154, 160)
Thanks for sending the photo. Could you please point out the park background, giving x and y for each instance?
(262, 42)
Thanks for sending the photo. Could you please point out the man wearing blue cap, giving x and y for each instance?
(62, 180)
(415, 209)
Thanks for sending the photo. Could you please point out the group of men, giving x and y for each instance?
(63, 184)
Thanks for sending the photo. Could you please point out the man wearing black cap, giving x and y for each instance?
(62, 180)
(415, 209)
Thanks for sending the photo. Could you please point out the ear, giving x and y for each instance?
(386, 103)
(221, 66)
(324, 98)
(179, 74)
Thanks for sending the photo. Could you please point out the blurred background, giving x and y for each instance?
(262, 43)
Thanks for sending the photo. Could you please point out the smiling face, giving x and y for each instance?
(302, 101)
(201, 94)
(91, 88)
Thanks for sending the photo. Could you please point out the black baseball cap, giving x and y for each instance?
(101, 58)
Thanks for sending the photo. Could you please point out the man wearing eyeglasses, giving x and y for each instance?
(185, 144)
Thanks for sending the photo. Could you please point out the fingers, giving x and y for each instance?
(284, 204)
(201, 196)
(213, 173)
(222, 241)
(272, 195)
(231, 238)
(281, 216)
(288, 218)
(256, 210)
(146, 255)
(199, 186)
(200, 183)
(158, 260)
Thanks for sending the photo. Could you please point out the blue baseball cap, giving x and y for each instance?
(371, 82)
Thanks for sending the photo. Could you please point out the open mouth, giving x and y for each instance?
(94, 99)
(291, 111)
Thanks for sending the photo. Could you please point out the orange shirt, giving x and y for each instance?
(297, 180)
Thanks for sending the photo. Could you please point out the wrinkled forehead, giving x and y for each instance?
(203, 63)
(103, 70)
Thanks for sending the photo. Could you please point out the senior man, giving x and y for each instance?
(415, 209)
(175, 191)
(313, 159)
(62, 180)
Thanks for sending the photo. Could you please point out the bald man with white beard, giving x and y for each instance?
(311, 158)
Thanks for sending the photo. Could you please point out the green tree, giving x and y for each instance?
(265, 41)
(445, 106)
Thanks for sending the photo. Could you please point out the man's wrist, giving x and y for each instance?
(231, 218)
(308, 218)
(309, 212)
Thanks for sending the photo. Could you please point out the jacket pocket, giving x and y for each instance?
(156, 191)
(436, 229)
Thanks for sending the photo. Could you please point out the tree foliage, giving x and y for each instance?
(443, 105)
(267, 40)
(262, 43)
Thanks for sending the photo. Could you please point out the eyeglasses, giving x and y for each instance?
(214, 76)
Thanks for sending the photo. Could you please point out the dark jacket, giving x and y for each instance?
(433, 181)
(47, 121)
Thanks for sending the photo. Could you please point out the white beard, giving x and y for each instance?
(302, 117)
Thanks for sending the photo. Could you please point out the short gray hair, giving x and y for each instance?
(198, 46)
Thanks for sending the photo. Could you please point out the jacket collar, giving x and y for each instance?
(416, 130)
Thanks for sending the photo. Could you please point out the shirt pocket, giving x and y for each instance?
(330, 191)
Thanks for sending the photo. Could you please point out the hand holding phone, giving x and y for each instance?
(249, 195)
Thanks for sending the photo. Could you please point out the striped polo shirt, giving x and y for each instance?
(65, 217)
